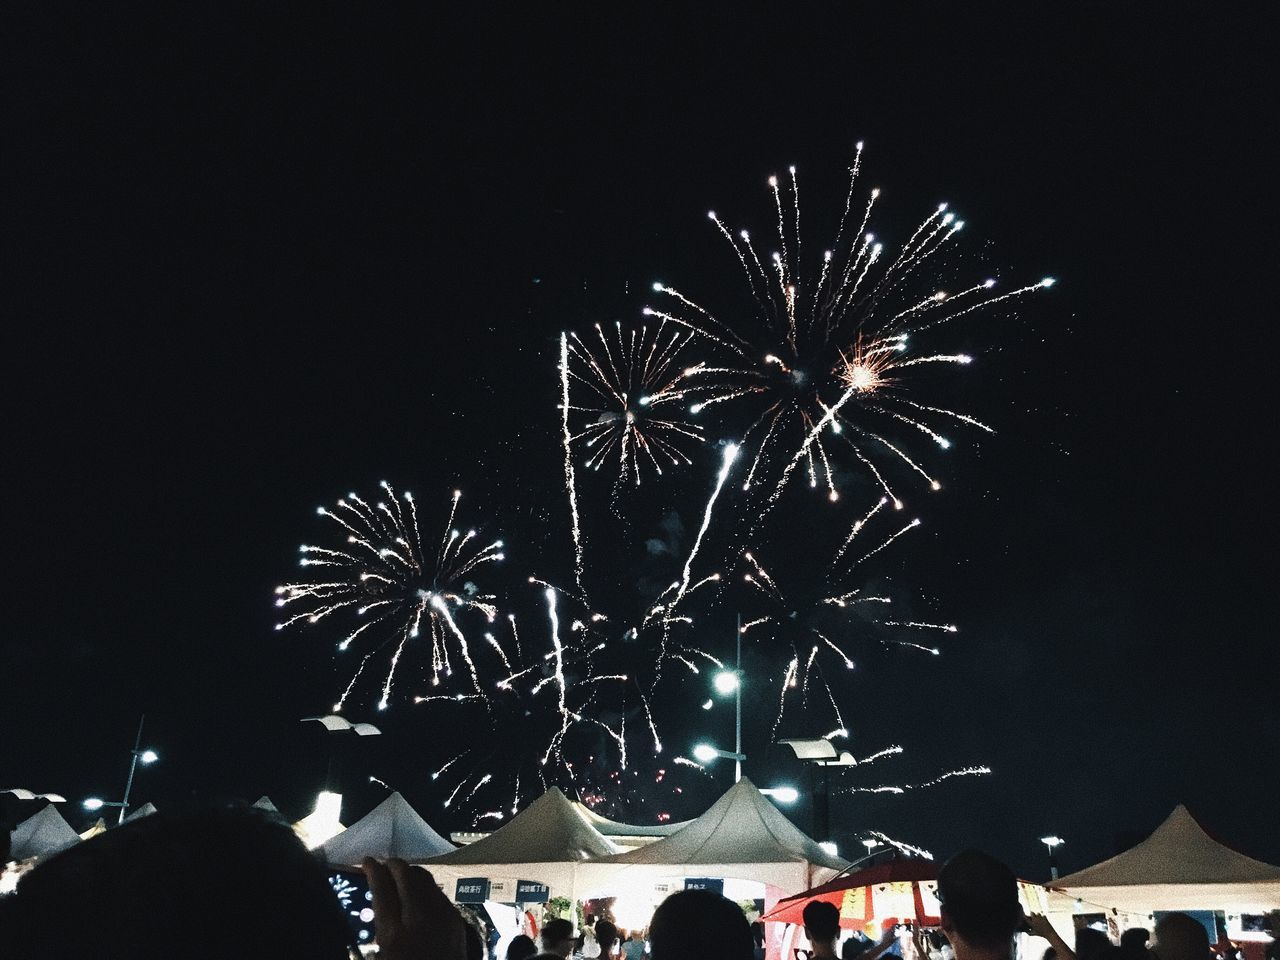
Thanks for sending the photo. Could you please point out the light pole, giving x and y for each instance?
(727, 682)
(1051, 842)
(136, 755)
(820, 752)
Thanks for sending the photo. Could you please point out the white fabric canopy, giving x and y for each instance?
(41, 835)
(1179, 867)
(742, 836)
(612, 828)
(146, 810)
(264, 803)
(545, 842)
(391, 829)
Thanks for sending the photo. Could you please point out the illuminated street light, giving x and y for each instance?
(706, 753)
(782, 794)
(726, 682)
(136, 755)
(1051, 842)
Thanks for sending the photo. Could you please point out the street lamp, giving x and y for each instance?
(821, 752)
(729, 682)
(333, 723)
(136, 756)
(1051, 842)
(782, 794)
(22, 793)
(706, 753)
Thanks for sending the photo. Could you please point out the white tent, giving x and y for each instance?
(264, 803)
(146, 810)
(391, 829)
(1179, 867)
(41, 835)
(743, 836)
(544, 843)
(629, 835)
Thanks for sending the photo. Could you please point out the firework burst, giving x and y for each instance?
(631, 399)
(395, 586)
(826, 357)
(814, 625)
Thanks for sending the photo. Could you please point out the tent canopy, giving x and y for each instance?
(41, 835)
(391, 829)
(791, 909)
(264, 803)
(742, 835)
(612, 828)
(1178, 867)
(545, 842)
(549, 830)
(146, 810)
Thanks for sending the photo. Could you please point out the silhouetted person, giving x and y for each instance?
(557, 938)
(521, 948)
(980, 909)
(607, 937)
(699, 925)
(1180, 937)
(1133, 944)
(822, 927)
(1094, 945)
(170, 886)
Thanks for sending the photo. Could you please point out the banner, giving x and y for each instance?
(714, 884)
(530, 891)
(472, 890)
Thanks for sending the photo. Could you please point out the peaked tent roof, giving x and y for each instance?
(742, 835)
(146, 810)
(549, 830)
(264, 803)
(613, 828)
(41, 835)
(391, 829)
(741, 827)
(1178, 867)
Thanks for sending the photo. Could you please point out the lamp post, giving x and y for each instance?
(333, 723)
(730, 682)
(820, 752)
(1051, 842)
(136, 756)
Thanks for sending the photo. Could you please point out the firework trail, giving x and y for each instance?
(828, 365)
(632, 401)
(569, 480)
(818, 620)
(393, 585)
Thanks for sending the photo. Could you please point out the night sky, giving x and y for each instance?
(253, 262)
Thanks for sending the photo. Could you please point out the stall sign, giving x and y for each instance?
(714, 884)
(530, 891)
(472, 890)
(502, 890)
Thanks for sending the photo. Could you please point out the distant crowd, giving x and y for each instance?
(238, 883)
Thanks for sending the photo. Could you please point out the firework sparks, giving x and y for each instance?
(385, 579)
(831, 360)
(823, 618)
(632, 391)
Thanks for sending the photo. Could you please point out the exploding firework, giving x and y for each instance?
(631, 397)
(815, 624)
(825, 360)
(394, 586)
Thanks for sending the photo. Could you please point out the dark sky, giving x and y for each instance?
(253, 262)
